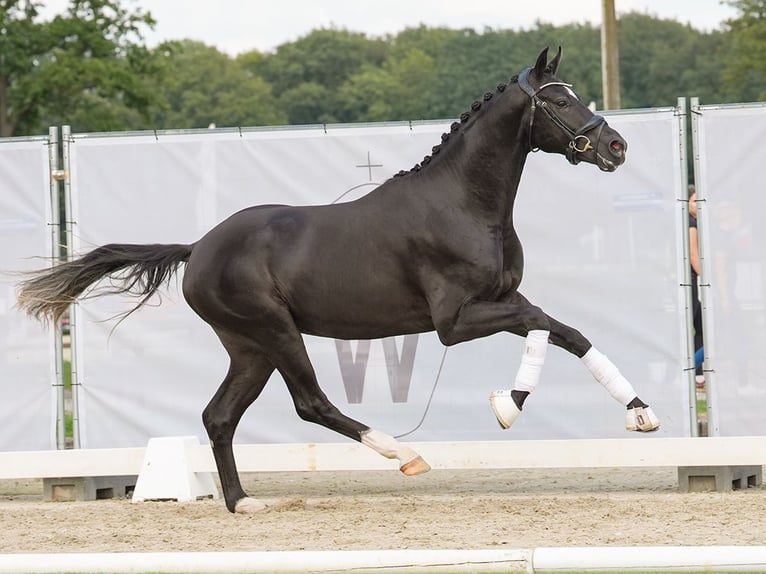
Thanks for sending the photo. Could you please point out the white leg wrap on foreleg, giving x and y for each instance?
(532, 361)
(410, 462)
(606, 373)
(527, 377)
(640, 418)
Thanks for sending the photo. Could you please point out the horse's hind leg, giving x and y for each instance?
(288, 353)
(248, 373)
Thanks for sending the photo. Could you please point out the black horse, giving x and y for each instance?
(433, 248)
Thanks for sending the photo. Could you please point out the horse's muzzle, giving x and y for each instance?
(611, 156)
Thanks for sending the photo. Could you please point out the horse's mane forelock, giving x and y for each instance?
(455, 126)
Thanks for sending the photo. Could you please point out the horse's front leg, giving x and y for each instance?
(516, 315)
(640, 416)
(476, 319)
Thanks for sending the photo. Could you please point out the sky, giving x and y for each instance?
(236, 26)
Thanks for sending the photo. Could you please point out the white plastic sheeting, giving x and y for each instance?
(602, 254)
(26, 347)
(730, 202)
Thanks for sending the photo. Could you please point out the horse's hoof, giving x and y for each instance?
(249, 506)
(642, 419)
(504, 407)
(416, 466)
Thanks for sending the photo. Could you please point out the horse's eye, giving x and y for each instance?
(562, 103)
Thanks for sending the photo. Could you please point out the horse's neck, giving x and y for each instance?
(492, 160)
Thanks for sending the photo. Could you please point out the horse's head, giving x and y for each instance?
(560, 123)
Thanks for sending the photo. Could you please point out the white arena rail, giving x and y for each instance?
(544, 559)
(585, 453)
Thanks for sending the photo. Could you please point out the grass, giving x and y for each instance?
(68, 425)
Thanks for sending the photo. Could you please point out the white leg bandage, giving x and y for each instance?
(532, 361)
(606, 373)
(388, 446)
(527, 377)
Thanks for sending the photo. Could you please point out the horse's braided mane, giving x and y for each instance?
(455, 126)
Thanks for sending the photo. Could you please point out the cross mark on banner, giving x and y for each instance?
(369, 165)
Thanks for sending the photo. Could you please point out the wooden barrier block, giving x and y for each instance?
(70, 489)
(718, 478)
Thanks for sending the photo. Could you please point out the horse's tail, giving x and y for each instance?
(136, 269)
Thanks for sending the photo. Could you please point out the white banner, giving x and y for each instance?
(602, 254)
(729, 198)
(26, 347)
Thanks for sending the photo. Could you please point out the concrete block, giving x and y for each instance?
(718, 478)
(70, 489)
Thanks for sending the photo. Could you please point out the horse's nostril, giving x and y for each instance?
(617, 147)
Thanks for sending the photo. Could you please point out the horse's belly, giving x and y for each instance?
(366, 330)
(366, 313)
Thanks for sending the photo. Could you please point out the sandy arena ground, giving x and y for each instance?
(385, 510)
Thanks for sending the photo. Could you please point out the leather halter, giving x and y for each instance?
(578, 141)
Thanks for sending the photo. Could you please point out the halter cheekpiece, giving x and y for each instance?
(578, 141)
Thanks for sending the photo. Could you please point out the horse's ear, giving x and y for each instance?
(553, 66)
(542, 63)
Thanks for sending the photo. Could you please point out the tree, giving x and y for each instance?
(744, 74)
(661, 60)
(90, 56)
(396, 91)
(307, 103)
(326, 57)
(88, 67)
(199, 86)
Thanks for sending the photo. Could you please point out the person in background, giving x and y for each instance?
(694, 257)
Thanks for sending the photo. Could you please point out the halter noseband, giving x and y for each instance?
(578, 141)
